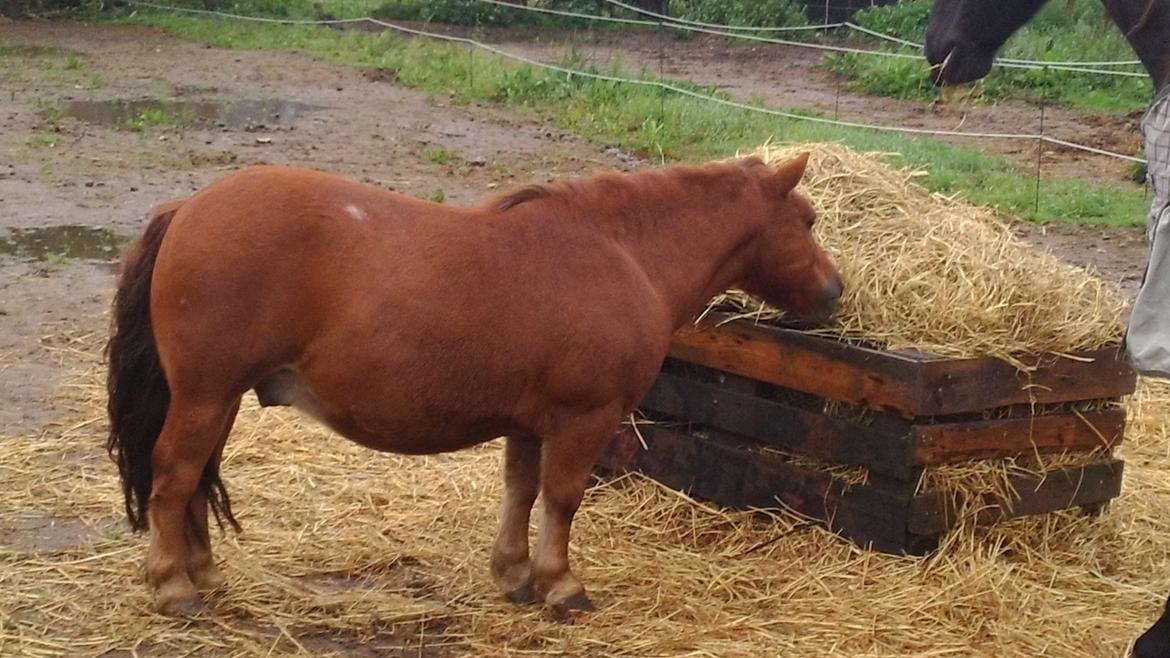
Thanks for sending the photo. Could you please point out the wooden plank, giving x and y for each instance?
(831, 369)
(962, 385)
(950, 442)
(622, 454)
(723, 472)
(783, 426)
(673, 458)
(904, 383)
(930, 514)
(883, 451)
(884, 514)
(1072, 487)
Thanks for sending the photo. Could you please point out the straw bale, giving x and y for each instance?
(932, 273)
(350, 552)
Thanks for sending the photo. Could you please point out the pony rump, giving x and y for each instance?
(136, 384)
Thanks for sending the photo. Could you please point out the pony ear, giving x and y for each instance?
(790, 173)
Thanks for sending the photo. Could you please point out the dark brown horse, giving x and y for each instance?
(413, 327)
(962, 39)
(963, 36)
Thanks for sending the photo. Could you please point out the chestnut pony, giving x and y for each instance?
(408, 326)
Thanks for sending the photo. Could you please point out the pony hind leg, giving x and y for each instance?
(190, 436)
(201, 567)
(510, 565)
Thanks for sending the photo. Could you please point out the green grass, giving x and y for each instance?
(67, 68)
(1060, 32)
(441, 155)
(756, 13)
(668, 126)
(157, 118)
(23, 51)
(42, 140)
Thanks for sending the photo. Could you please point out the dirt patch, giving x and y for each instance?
(45, 535)
(1116, 255)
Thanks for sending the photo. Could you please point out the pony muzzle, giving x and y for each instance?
(826, 305)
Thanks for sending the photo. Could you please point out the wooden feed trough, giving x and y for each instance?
(730, 396)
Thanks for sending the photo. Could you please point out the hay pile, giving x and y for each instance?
(935, 274)
(349, 552)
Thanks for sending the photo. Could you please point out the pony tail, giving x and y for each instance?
(137, 388)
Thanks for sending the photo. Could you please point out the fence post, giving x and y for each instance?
(662, 74)
(1040, 150)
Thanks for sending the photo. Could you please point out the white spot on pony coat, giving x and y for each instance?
(355, 212)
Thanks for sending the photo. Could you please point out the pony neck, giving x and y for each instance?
(1146, 26)
(691, 246)
(688, 229)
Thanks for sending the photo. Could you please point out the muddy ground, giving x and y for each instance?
(77, 175)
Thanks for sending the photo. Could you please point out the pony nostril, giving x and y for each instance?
(827, 305)
(833, 291)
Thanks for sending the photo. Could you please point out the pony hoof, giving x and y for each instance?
(206, 579)
(573, 608)
(183, 608)
(523, 595)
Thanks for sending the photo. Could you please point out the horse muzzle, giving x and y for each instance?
(826, 306)
(955, 63)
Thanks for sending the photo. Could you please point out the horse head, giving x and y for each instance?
(787, 267)
(963, 36)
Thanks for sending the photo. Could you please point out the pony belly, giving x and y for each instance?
(370, 427)
(287, 388)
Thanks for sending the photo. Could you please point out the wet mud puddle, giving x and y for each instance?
(62, 243)
(149, 113)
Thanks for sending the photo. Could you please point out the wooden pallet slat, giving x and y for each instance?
(781, 426)
(883, 514)
(943, 443)
(672, 460)
(962, 385)
(880, 380)
(726, 474)
(908, 384)
(1078, 486)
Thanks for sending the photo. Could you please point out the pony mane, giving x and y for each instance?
(522, 195)
(570, 189)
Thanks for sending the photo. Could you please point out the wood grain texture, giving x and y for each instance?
(905, 383)
(884, 514)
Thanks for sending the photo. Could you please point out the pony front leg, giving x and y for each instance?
(511, 567)
(566, 462)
